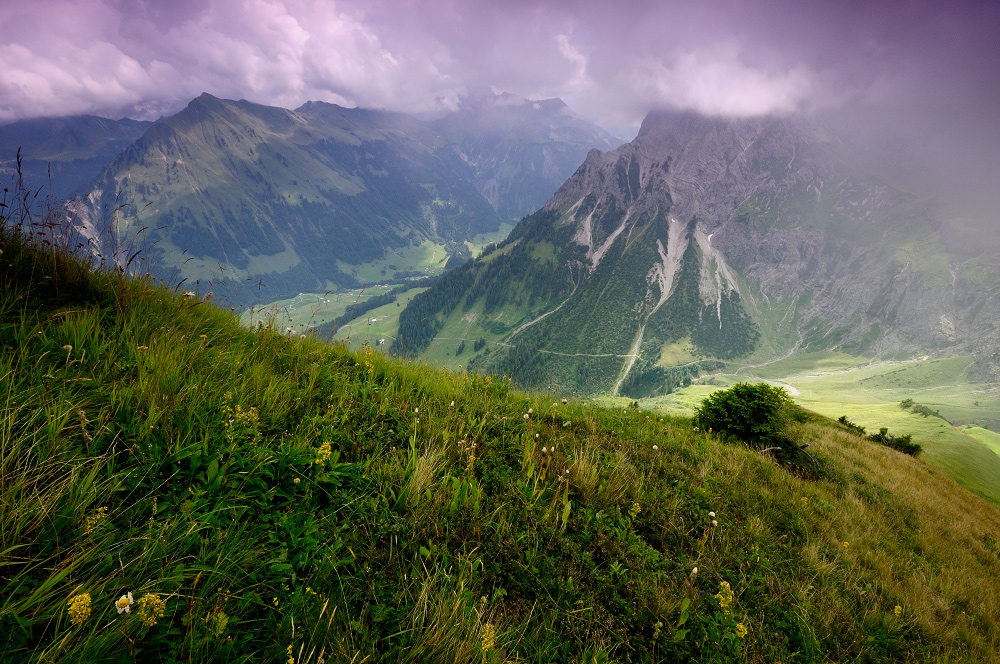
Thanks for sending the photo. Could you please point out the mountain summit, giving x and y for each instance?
(711, 240)
(325, 197)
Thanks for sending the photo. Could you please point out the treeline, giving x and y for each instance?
(423, 317)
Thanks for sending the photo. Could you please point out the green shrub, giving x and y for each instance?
(753, 413)
(854, 428)
(903, 444)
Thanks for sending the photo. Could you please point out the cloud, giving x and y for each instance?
(925, 62)
(98, 59)
(718, 83)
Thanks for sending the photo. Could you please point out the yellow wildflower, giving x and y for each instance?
(634, 511)
(151, 609)
(897, 610)
(741, 631)
(94, 520)
(725, 597)
(847, 545)
(79, 608)
(488, 637)
(291, 658)
(323, 453)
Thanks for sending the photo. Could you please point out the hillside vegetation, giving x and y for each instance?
(249, 496)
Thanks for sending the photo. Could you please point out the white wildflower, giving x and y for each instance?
(124, 604)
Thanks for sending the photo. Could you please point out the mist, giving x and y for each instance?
(917, 73)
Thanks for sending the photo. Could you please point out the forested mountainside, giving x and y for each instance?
(323, 197)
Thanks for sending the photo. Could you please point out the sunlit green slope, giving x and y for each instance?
(248, 496)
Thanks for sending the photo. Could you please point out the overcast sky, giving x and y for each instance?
(926, 67)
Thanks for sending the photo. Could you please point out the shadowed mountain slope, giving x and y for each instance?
(72, 150)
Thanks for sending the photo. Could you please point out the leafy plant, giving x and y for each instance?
(754, 413)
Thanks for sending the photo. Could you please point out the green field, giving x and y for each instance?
(870, 392)
(310, 310)
(377, 327)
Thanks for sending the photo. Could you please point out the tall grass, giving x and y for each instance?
(288, 499)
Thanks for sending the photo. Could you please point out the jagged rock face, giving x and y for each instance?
(708, 240)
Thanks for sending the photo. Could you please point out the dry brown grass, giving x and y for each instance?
(915, 538)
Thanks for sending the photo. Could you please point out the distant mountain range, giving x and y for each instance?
(708, 241)
(62, 155)
(236, 195)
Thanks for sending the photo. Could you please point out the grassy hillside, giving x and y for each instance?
(264, 498)
(948, 410)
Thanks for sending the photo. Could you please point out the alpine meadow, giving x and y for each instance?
(520, 332)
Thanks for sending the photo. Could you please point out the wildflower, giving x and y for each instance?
(711, 515)
(694, 572)
(526, 416)
(565, 401)
(79, 608)
(94, 520)
(416, 410)
(274, 600)
(124, 604)
(897, 610)
(68, 348)
(151, 609)
(297, 480)
(656, 447)
(323, 453)
(488, 637)
(189, 294)
(847, 544)
(545, 450)
(203, 336)
(452, 404)
(634, 511)
(291, 658)
(741, 631)
(725, 597)
(143, 348)
(531, 411)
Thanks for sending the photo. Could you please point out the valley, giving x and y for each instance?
(961, 440)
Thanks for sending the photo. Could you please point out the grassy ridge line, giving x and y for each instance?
(286, 498)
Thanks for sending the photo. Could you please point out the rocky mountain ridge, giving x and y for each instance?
(709, 240)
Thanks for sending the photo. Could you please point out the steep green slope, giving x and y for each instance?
(249, 496)
(324, 197)
(235, 193)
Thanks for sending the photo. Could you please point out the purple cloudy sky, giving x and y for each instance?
(925, 67)
(610, 61)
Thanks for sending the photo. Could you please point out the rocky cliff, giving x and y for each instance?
(710, 240)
